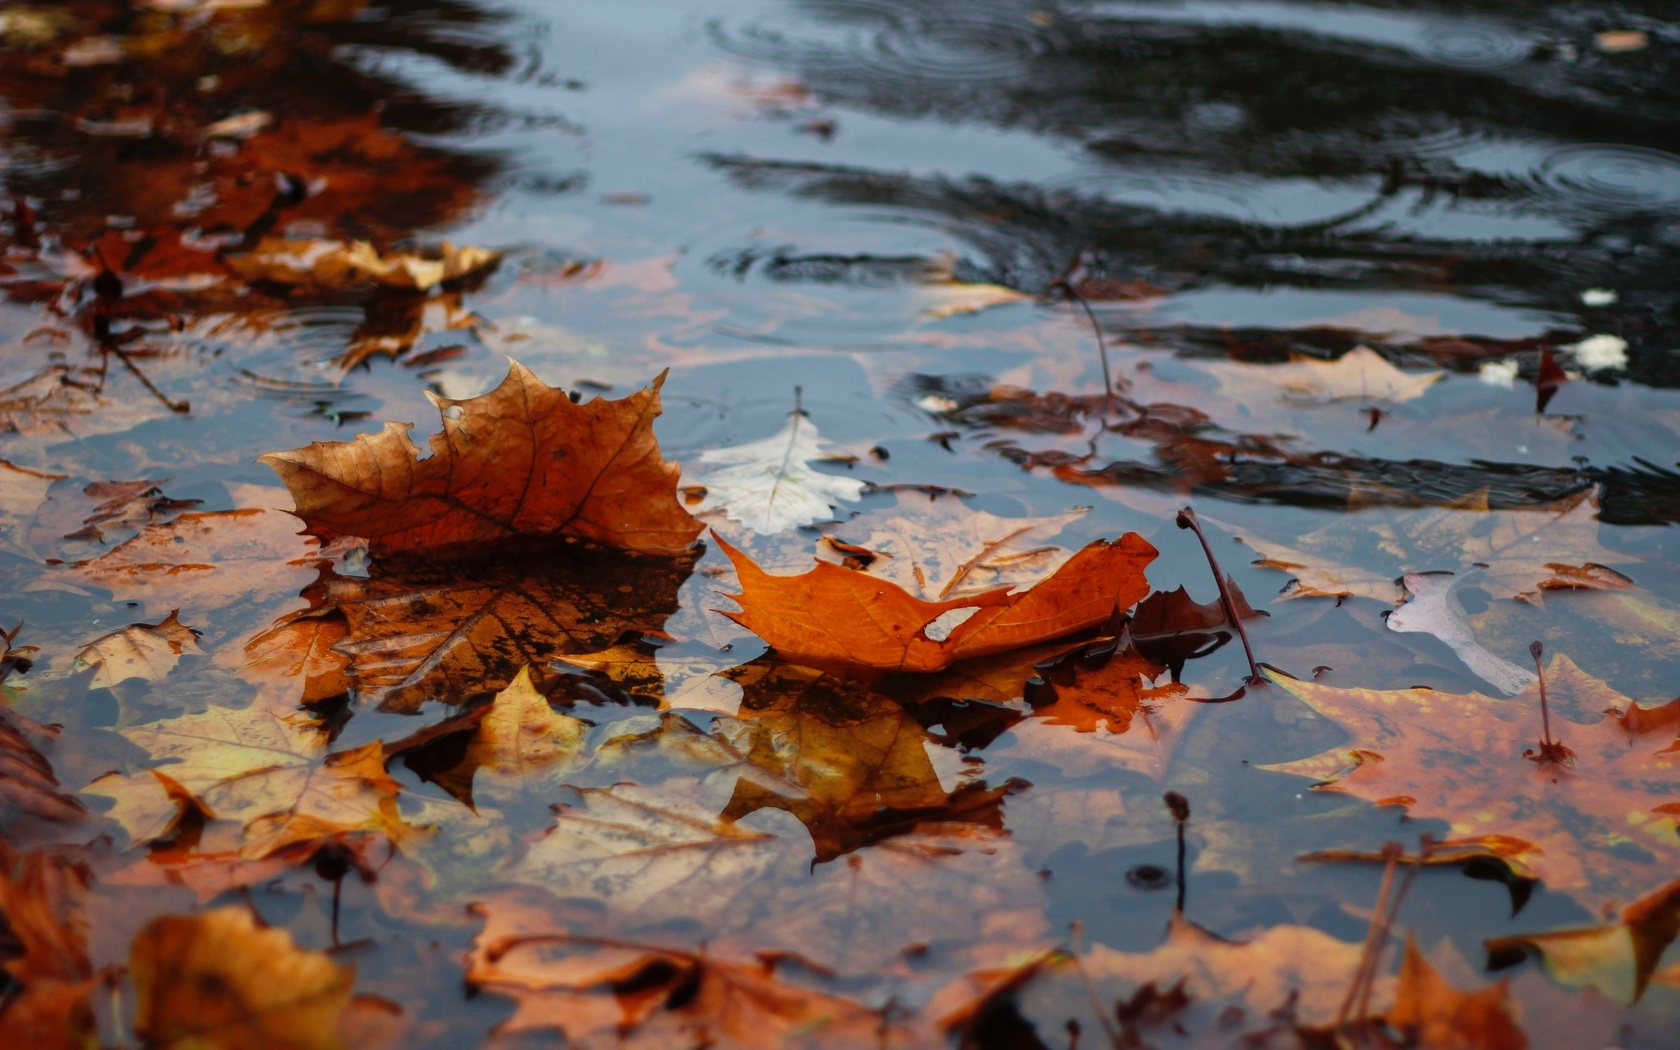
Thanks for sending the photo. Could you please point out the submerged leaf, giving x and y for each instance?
(769, 485)
(141, 650)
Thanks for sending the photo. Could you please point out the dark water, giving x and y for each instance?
(767, 196)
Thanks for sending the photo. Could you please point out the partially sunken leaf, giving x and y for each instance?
(518, 739)
(1521, 553)
(1599, 826)
(1361, 374)
(1618, 958)
(141, 650)
(836, 617)
(424, 628)
(522, 460)
(769, 486)
(268, 771)
(218, 981)
(1430, 1012)
(329, 266)
(626, 995)
(28, 788)
(21, 493)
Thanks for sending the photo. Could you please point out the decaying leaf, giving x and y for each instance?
(770, 486)
(28, 789)
(422, 627)
(1596, 827)
(522, 460)
(142, 650)
(1619, 958)
(1430, 1012)
(936, 547)
(1520, 553)
(831, 616)
(517, 739)
(218, 981)
(627, 995)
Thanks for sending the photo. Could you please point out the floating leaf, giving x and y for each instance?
(142, 650)
(770, 486)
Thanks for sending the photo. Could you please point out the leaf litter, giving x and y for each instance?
(470, 687)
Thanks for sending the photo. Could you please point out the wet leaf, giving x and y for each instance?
(332, 265)
(43, 898)
(518, 740)
(621, 994)
(1618, 958)
(770, 486)
(1430, 1012)
(28, 788)
(218, 981)
(1521, 553)
(832, 616)
(1596, 827)
(522, 460)
(142, 650)
(1361, 375)
(270, 771)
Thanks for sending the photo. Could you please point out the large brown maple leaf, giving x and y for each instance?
(837, 617)
(1601, 825)
(521, 460)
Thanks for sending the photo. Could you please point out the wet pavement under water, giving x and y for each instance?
(774, 200)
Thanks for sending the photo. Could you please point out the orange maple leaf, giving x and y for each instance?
(838, 617)
(1603, 823)
(521, 460)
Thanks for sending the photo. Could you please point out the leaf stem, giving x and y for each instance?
(1179, 806)
(1550, 750)
(1187, 520)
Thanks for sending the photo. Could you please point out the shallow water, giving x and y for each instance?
(771, 200)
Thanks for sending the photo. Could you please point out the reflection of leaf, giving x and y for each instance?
(852, 765)
(836, 616)
(1604, 824)
(520, 460)
(1522, 552)
(217, 979)
(936, 547)
(141, 650)
(619, 994)
(1430, 1012)
(1432, 607)
(423, 628)
(769, 485)
(1618, 959)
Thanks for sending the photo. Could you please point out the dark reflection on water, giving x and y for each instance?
(1485, 148)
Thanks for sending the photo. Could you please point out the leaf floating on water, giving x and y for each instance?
(832, 616)
(1619, 958)
(1361, 374)
(770, 486)
(522, 460)
(331, 265)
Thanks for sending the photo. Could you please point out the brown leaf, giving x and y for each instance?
(621, 994)
(1465, 759)
(42, 901)
(141, 650)
(522, 460)
(517, 739)
(219, 981)
(326, 266)
(1619, 958)
(424, 628)
(1430, 1012)
(837, 617)
(28, 788)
